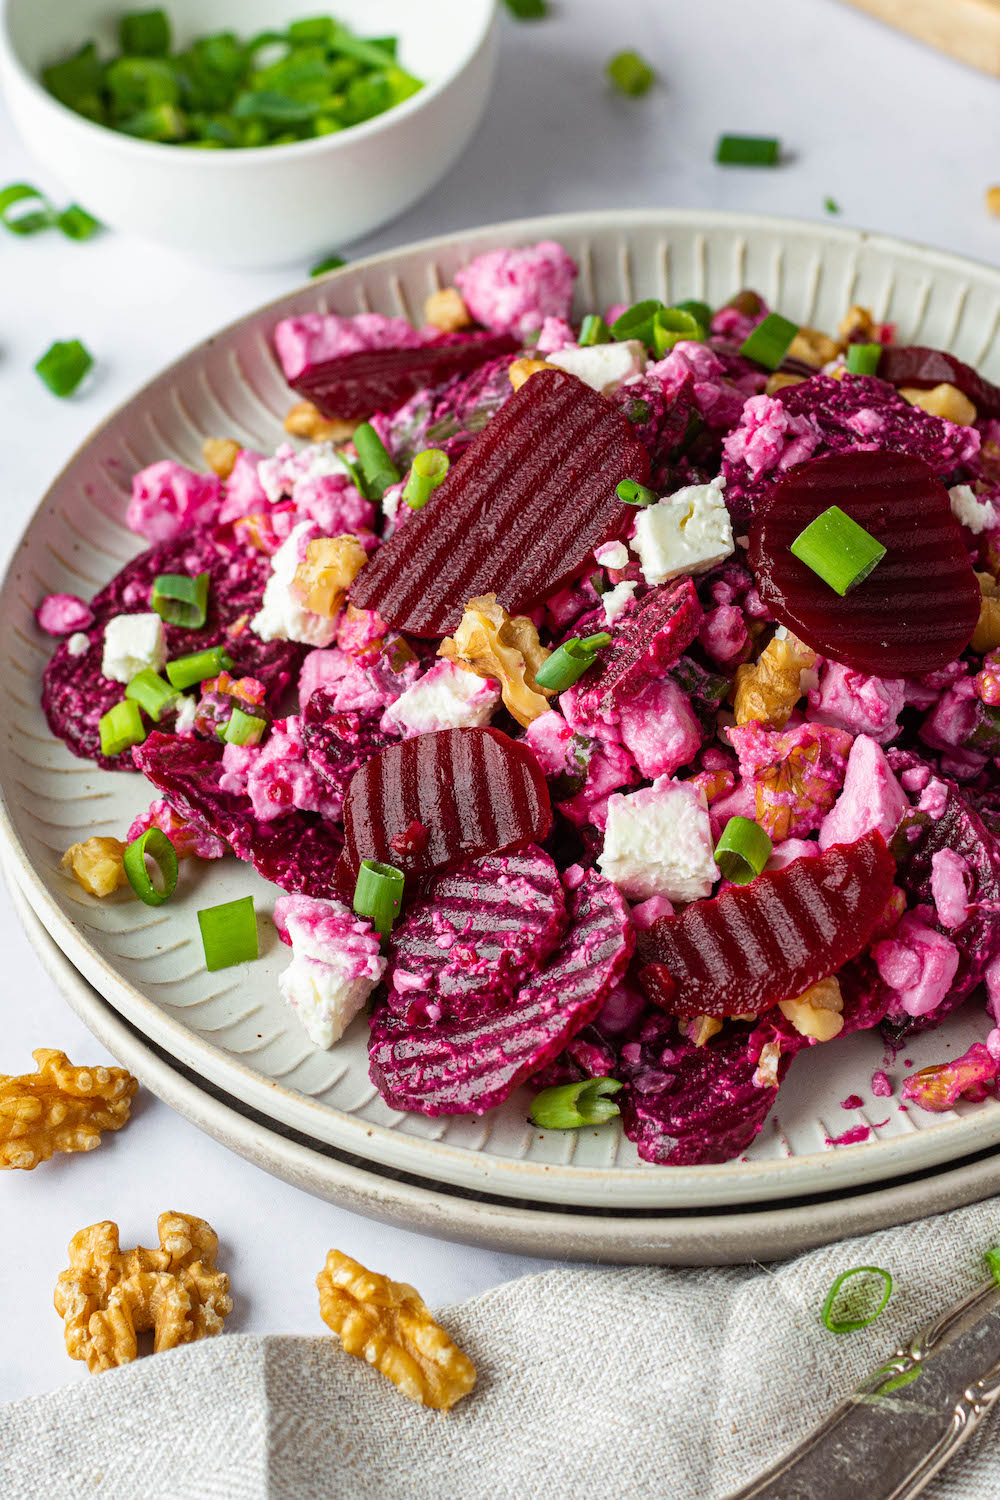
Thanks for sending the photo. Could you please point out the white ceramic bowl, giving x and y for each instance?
(275, 204)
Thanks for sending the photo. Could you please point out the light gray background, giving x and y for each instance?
(903, 140)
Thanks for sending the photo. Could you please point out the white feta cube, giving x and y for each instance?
(187, 708)
(617, 600)
(281, 616)
(658, 842)
(687, 532)
(323, 997)
(611, 555)
(78, 644)
(335, 964)
(131, 644)
(978, 515)
(604, 367)
(445, 697)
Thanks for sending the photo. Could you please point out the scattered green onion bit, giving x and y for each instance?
(426, 473)
(862, 359)
(633, 493)
(24, 210)
(149, 690)
(76, 223)
(229, 933)
(144, 33)
(120, 728)
(637, 322)
(630, 74)
(742, 851)
(594, 330)
(244, 728)
(329, 263)
(378, 893)
(700, 311)
(155, 845)
(853, 1317)
(528, 10)
(570, 1105)
(840, 551)
(181, 600)
(377, 467)
(992, 1258)
(671, 325)
(188, 671)
(63, 366)
(768, 343)
(831, 205)
(570, 660)
(747, 151)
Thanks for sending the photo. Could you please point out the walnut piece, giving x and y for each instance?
(813, 348)
(943, 400)
(305, 420)
(986, 636)
(330, 567)
(857, 320)
(109, 1295)
(388, 1324)
(523, 369)
(700, 1029)
(779, 380)
(446, 310)
(766, 1074)
(817, 1012)
(220, 454)
(992, 199)
(505, 649)
(59, 1108)
(768, 691)
(98, 865)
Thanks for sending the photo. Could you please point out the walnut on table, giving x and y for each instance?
(388, 1324)
(109, 1295)
(59, 1108)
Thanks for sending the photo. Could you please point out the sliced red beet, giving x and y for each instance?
(468, 1067)
(744, 950)
(476, 791)
(355, 385)
(917, 610)
(914, 365)
(518, 515)
(644, 644)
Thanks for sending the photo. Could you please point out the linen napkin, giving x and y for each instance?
(638, 1381)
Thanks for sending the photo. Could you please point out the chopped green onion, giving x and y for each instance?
(570, 1105)
(570, 660)
(76, 223)
(149, 690)
(840, 551)
(155, 845)
(700, 311)
(594, 330)
(187, 671)
(427, 472)
(316, 29)
(330, 263)
(120, 728)
(630, 74)
(144, 33)
(163, 123)
(229, 933)
(244, 728)
(862, 359)
(637, 322)
(992, 1258)
(768, 343)
(853, 1315)
(378, 893)
(671, 325)
(78, 82)
(35, 211)
(377, 467)
(63, 366)
(634, 493)
(831, 205)
(528, 10)
(747, 151)
(742, 851)
(181, 600)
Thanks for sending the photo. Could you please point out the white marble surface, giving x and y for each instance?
(902, 139)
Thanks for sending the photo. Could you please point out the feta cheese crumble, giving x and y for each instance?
(131, 644)
(611, 555)
(335, 964)
(78, 644)
(445, 697)
(604, 367)
(658, 842)
(281, 616)
(978, 515)
(617, 600)
(683, 533)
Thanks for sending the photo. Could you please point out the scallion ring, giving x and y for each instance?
(24, 210)
(862, 359)
(769, 342)
(144, 33)
(121, 728)
(155, 845)
(992, 1259)
(76, 223)
(836, 548)
(630, 74)
(631, 492)
(426, 473)
(63, 366)
(229, 933)
(378, 893)
(700, 311)
(570, 660)
(568, 1106)
(152, 694)
(742, 851)
(244, 728)
(328, 263)
(187, 671)
(377, 467)
(673, 324)
(594, 330)
(181, 600)
(637, 321)
(747, 151)
(848, 1324)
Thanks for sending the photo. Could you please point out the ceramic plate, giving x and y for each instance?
(231, 1027)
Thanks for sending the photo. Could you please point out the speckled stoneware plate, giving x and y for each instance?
(231, 1027)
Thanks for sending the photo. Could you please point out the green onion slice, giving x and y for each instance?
(229, 933)
(181, 600)
(120, 728)
(831, 205)
(852, 1316)
(840, 551)
(630, 74)
(378, 893)
(149, 690)
(700, 311)
(244, 728)
(570, 1105)
(634, 493)
(570, 660)
(671, 325)
(862, 359)
(187, 671)
(747, 151)
(144, 33)
(377, 467)
(594, 330)
(76, 223)
(637, 322)
(768, 343)
(742, 851)
(992, 1259)
(528, 10)
(329, 263)
(63, 366)
(427, 472)
(24, 210)
(155, 845)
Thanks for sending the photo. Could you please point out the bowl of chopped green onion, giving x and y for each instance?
(245, 132)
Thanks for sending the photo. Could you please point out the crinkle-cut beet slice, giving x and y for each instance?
(517, 516)
(467, 1067)
(744, 950)
(916, 365)
(918, 608)
(370, 380)
(644, 645)
(298, 851)
(476, 935)
(75, 694)
(476, 791)
(338, 741)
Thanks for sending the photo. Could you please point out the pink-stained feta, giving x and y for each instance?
(277, 776)
(954, 716)
(608, 766)
(62, 614)
(933, 798)
(361, 632)
(796, 773)
(696, 370)
(335, 964)
(872, 798)
(770, 437)
(951, 884)
(741, 802)
(185, 837)
(243, 492)
(940, 1087)
(573, 877)
(514, 291)
(733, 325)
(881, 1087)
(918, 963)
(790, 850)
(357, 685)
(319, 488)
(445, 697)
(556, 334)
(724, 634)
(659, 729)
(78, 644)
(314, 338)
(648, 912)
(168, 499)
(860, 704)
(658, 842)
(558, 749)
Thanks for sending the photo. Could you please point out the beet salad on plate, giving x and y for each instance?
(614, 701)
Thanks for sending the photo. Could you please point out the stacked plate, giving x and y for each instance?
(223, 1049)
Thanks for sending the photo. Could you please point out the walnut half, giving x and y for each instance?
(767, 692)
(505, 649)
(817, 1012)
(59, 1108)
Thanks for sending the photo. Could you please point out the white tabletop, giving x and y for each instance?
(902, 139)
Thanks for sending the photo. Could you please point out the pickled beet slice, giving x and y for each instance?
(913, 364)
(744, 950)
(475, 791)
(370, 380)
(519, 513)
(644, 645)
(467, 1067)
(917, 610)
